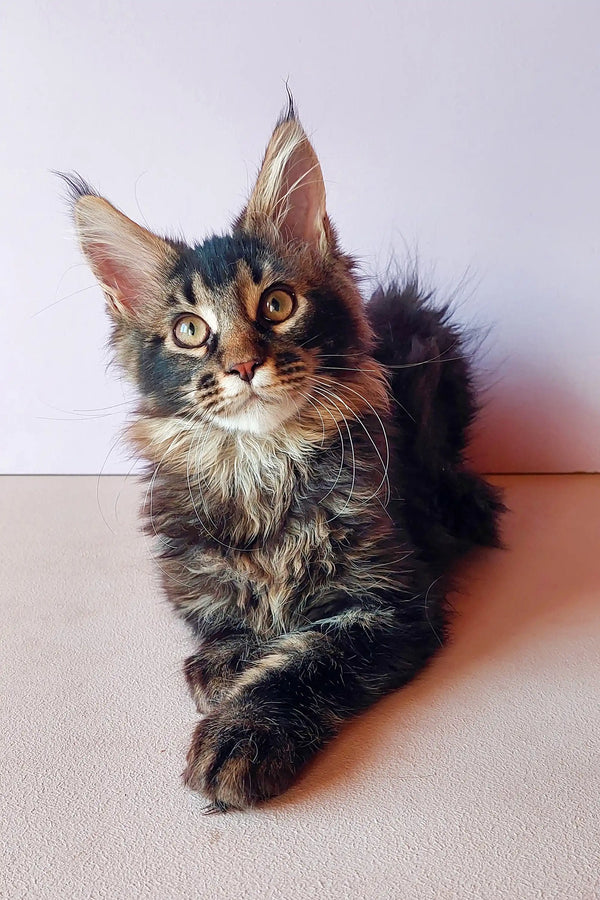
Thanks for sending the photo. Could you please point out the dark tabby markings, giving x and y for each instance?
(188, 291)
(292, 379)
(206, 380)
(222, 656)
(214, 405)
(325, 595)
(286, 705)
(289, 370)
(217, 258)
(163, 373)
(283, 703)
(287, 357)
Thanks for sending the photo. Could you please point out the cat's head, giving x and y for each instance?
(245, 331)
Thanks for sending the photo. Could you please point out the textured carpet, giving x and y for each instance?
(481, 780)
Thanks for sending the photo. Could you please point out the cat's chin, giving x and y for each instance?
(258, 417)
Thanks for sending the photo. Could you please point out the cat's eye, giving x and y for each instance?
(277, 304)
(190, 331)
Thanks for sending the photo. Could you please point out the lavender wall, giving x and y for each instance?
(464, 132)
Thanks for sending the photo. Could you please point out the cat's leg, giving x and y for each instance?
(223, 654)
(288, 703)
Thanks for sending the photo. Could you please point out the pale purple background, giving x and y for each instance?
(465, 132)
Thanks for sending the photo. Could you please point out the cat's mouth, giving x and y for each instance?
(257, 410)
(249, 399)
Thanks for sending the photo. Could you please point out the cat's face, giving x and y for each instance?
(241, 331)
(244, 331)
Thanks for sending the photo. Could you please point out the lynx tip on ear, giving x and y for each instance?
(290, 113)
(76, 187)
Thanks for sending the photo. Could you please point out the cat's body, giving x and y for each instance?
(306, 482)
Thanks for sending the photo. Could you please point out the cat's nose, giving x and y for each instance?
(245, 369)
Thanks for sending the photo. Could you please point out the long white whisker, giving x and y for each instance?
(341, 384)
(312, 402)
(386, 464)
(98, 477)
(351, 491)
(441, 357)
(339, 473)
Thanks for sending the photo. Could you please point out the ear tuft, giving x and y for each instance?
(290, 112)
(290, 192)
(76, 187)
(130, 262)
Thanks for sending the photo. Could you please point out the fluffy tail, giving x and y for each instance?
(448, 508)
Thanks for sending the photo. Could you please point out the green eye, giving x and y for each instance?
(190, 331)
(277, 304)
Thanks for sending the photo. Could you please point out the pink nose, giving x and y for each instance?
(245, 369)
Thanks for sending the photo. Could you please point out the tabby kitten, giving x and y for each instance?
(307, 487)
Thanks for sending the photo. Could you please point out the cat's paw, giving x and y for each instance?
(239, 760)
(201, 685)
(211, 671)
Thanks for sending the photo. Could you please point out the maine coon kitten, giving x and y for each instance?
(305, 450)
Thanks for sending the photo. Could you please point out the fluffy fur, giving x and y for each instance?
(306, 479)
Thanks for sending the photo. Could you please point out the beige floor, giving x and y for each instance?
(482, 780)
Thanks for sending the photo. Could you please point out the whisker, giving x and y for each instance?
(73, 418)
(385, 465)
(62, 299)
(426, 609)
(379, 419)
(441, 357)
(316, 408)
(357, 418)
(97, 408)
(121, 489)
(351, 491)
(339, 473)
(98, 477)
(313, 337)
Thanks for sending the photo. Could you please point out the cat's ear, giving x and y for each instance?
(290, 192)
(130, 262)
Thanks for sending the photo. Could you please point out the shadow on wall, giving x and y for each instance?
(517, 609)
(534, 423)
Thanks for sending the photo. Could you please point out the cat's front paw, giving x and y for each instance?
(238, 759)
(202, 685)
(211, 671)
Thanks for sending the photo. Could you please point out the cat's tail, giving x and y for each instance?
(449, 508)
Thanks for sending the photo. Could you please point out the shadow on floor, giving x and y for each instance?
(546, 581)
(530, 423)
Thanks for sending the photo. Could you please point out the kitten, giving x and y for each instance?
(307, 484)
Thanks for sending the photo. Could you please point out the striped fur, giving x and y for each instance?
(305, 515)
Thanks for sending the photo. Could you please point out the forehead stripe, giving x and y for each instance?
(188, 291)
